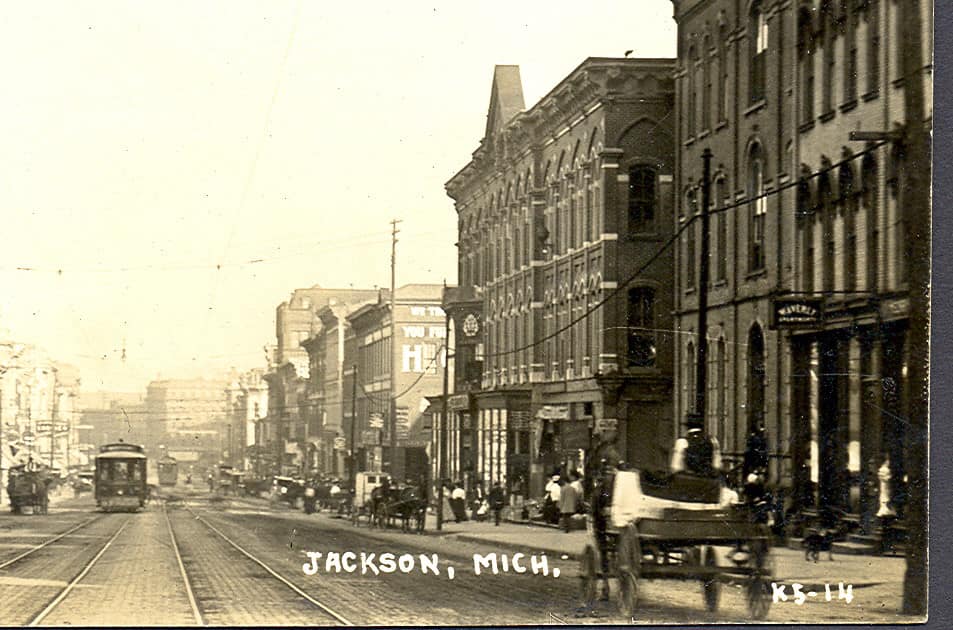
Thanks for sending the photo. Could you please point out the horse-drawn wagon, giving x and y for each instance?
(667, 527)
(399, 501)
(27, 486)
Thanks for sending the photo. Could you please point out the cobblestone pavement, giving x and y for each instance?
(136, 582)
(876, 597)
(29, 584)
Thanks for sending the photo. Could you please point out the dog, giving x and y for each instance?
(816, 541)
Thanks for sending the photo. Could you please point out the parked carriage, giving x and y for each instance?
(168, 470)
(361, 503)
(121, 477)
(666, 527)
(399, 501)
(27, 486)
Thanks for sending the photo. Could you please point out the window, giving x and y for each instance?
(690, 241)
(868, 169)
(873, 46)
(806, 52)
(758, 45)
(723, 70)
(692, 90)
(690, 373)
(849, 201)
(850, 46)
(825, 195)
(758, 208)
(641, 199)
(641, 327)
(721, 231)
(829, 31)
(706, 83)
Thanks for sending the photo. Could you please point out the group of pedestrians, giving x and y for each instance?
(563, 497)
(482, 504)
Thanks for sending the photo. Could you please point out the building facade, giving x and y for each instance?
(807, 301)
(247, 396)
(561, 214)
(188, 418)
(395, 376)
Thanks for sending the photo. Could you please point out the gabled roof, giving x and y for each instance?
(506, 98)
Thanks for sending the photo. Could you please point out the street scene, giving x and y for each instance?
(466, 315)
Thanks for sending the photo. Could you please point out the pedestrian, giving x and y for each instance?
(458, 500)
(601, 502)
(695, 452)
(756, 451)
(567, 505)
(496, 500)
(551, 500)
(479, 496)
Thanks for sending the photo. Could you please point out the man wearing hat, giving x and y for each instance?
(696, 452)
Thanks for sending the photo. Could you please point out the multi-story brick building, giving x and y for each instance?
(188, 418)
(247, 396)
(807, 301)
(291, 416)
(561, 215)
(419, 363)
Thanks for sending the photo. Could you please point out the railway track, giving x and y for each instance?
(31, 551)
(332, 614)
(38, 618)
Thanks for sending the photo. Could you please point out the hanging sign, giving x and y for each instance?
(796, 312)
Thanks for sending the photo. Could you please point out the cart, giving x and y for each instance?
(667, 528)
(27, 486)
(362, 505)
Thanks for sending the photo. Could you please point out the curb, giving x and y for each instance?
(506, 544)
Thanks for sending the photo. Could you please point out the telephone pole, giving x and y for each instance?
(442, 440)
(352, 468)
(701, 381)
(393, 346)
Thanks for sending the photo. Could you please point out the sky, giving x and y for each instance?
(171, 171)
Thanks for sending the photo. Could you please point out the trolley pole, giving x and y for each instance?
(701, 381)
(442, 441)
(352, 462)
(393, 347)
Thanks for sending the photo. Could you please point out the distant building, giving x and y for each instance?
(247, 398)
(107, 417)
(187, 417)
(296, 321)
(419, 362)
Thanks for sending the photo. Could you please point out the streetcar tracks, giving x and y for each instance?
(196, 612)
(325, 609)
(36, 548)
(76, 580)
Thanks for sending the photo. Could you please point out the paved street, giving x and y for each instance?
(243, 561)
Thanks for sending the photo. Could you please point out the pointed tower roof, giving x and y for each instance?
(506, 98)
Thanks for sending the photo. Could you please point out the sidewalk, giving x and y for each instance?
(789, 564)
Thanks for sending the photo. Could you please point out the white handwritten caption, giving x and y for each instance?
(425, 564)
(799, 595)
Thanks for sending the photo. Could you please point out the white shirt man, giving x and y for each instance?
(553, 489)
(679, 460)
(458, 493)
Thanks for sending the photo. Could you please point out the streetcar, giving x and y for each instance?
(168, 469)
(121, 477)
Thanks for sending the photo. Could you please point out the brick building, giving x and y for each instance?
(419, 363)
(807, 301)
(560, 212)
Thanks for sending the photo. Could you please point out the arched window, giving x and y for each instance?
(807, 58)
(873, 46)
(829, 32)
(721, 230)
(849, 200)
(758, 47)
(692, 91)
(706, 83)
(642, 200)
(825, 196)
(721, 380)
(851, 68)
(805, 221)
(690, 374)
(756, 377)
(723, 72)
(869, 198)
(757, 208)
(640, 322)
(692, 204)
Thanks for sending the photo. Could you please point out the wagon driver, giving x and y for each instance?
(696, 452)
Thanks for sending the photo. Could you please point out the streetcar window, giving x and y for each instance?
(136, 472)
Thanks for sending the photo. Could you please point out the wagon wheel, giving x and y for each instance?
(711, 587)
(629, 565)
(587, 576)
(759, 597)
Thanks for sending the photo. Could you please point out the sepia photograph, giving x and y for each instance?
(465, 314)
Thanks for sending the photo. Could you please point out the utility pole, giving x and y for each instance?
(393, 346)
(701, 381)
(441, 462)
(915, 197)
(352, 467)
